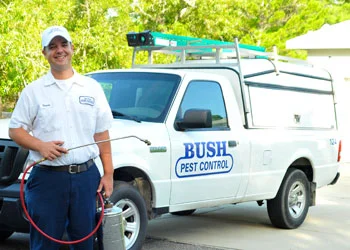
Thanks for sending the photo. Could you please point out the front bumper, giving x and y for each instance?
(335, 179)
(12, 217)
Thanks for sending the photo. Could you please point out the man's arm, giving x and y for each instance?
(106, 182)
(49, 150)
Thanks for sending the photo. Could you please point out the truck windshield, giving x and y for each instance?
(138, 96)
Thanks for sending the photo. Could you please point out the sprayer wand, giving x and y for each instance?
(107, 140)
(98, 142)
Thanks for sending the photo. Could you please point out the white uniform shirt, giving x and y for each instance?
(72, 115)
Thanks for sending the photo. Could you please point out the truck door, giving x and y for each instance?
(206, 162)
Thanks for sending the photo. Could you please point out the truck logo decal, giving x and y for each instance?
(204, 158)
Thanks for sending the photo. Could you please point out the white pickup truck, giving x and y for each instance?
(222, 131)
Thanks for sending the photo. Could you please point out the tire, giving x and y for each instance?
(5, 235)
(184, 212)
(134, 211)
(289, 208)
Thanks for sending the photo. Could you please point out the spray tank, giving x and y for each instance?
(111, 235)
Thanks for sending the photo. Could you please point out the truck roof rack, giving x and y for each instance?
(190, 48)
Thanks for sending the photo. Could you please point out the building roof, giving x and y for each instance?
(336, 36)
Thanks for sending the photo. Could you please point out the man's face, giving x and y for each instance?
(59, 54)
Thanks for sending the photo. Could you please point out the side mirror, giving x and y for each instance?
(195, 118)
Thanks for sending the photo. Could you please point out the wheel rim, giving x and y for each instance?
(131, 221)
(297, 199)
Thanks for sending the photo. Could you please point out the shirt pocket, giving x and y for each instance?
(87, 115)
(47, 119)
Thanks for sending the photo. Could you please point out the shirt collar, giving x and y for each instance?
(50, 79)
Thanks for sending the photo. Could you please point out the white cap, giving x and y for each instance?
(52, 32)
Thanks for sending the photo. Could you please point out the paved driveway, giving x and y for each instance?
(247, 226)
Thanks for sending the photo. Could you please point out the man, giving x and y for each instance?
(61, 110)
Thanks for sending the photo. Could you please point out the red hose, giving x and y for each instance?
(42, 232)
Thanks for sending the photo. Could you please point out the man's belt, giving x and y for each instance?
(72, 169)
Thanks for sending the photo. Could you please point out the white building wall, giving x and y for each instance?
(329, 47)
(337, 62)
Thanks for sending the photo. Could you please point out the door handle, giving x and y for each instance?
(233, 144)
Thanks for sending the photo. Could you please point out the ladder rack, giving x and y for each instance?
(189, 48)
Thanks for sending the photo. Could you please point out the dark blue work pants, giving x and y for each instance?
(59, 201)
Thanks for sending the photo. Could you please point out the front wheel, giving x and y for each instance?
(134, 212)
(289, 208)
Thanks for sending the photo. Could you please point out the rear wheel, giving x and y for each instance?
(133, 206)
(5, 234)
(184, 212)
(289, 208)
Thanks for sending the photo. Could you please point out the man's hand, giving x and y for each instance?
(49, 150)
(52, 149)
(106, 184)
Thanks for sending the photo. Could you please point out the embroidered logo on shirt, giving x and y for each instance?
(87, 100)
(45, 105)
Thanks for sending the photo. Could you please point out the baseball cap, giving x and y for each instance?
(52, 32)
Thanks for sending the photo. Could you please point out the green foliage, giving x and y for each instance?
(258, 22)
(99, 27)
(99, 39)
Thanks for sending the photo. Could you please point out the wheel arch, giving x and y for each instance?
(139, 179)
(305, 165)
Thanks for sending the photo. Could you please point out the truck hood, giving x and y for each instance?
(153, 132)
(128, 150)
(4, 132)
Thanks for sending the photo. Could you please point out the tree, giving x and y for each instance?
(20, 60)
(258, 22)
(99, 28)
(98, 36)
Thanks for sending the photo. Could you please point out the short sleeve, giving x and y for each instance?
(24, 112)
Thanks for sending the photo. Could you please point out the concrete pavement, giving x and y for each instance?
(247, 226)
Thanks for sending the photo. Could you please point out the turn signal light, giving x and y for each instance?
(339, 151)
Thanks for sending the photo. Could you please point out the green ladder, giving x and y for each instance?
(196, 48)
